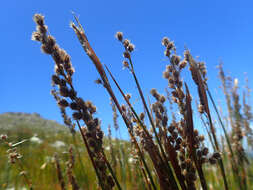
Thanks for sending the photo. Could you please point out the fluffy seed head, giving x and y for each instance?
(63, 103)
(165, 41)
(128, 96)
(64, 91)
(38, 19)
(125, 64)
(36, 36)
(77, 115)
(130, 47)
(142, 115)
(119, 36)
(162, 99)
(182, 64)
(126, 54)
(56, 79)
(126, 43)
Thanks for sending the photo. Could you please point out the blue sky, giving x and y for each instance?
(214, 30)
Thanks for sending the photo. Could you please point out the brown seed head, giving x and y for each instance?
(74, 106)
(182, 64)
(142, 115)
(216, 155)
(125, 64)
(128, 96)
(63, 103)
(205, 151)
(126, 54)
(130, 47)
(56, 79)
(126, 43)
(162, 99)
(165, 41)
(166, 74)
(175, 59)
(36, 36)
(38, 19)
(64, 91)
(77, 115)
(119, 36)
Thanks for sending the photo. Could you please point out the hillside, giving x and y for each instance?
(28, 124)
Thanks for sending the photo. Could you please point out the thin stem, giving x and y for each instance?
(90, 155)
(111, 171)
(29, 184)
(137, 117)
(234, 167)
(170, 172)
(90, 52)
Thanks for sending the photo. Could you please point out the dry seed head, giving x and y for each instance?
(58, 69)
(166, 74)
(175, 59)
(167, 52)
(56, 79)
(119, 36)
(128, 96)
(64, 91)
(126, 43)
(153, 91)
(38, 19)
(171, 128)
(187, 55)
(169, 68)
(41, 29)
(130, 47)
(51, 41)
(46, 50)
(126, 54)
(205, 151)
(175, 74)
(165, 41)
(36, 36)
(162, 99)
(92, 108)
(71, 71)
(63, 103)
(201, 138)
(182, 64)
(77, 115)
(142, 115)
(100, 134)
(216, 155)
(72, 93)
(125, 64)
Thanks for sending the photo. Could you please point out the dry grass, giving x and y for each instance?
(171, 155)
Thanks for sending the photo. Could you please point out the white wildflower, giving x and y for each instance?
(36, 139)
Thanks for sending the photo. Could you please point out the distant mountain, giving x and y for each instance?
(28, 123)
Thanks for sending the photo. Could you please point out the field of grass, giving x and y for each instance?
(166, 150)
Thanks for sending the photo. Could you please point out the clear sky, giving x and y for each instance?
(214, 30)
